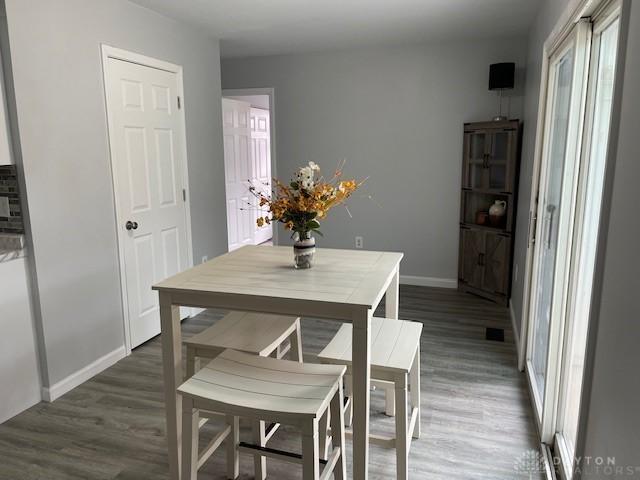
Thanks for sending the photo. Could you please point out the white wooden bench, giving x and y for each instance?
(395, 357)
(265, 389)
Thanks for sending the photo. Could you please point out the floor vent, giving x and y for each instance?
(495, 334)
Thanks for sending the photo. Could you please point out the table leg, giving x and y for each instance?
(361, 382)
(172, 372)
(392, 296)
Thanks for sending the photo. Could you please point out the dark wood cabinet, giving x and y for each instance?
(490, 162)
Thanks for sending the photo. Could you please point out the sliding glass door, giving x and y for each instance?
(566, 84)
(579, 97)
(605, 48)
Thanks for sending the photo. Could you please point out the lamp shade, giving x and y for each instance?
(501, 76)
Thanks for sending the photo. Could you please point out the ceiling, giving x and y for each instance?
(267, 27)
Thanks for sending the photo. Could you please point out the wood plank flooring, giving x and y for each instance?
(476, 420)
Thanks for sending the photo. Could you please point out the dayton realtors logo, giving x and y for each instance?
(530, 462)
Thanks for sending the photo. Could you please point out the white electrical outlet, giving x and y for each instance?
(205, 258)
(359, 242)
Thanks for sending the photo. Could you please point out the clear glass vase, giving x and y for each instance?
(304, 246)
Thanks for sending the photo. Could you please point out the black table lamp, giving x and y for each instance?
(501, 77)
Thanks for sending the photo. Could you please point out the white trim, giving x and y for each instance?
(270, 92)
(516, 335)
(429, 281)
(120, 54)
(49, 394)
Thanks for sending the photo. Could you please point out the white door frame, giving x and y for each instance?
(270, 92)
(132, 57)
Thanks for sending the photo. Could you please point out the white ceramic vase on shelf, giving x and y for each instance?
(497, 212)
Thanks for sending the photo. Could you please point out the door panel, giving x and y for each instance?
(477, 148)
(498, 161)
(496, 258)
(241, 206)
(592, 183)
(261, 164)
(472, 242)
(550, 209)
(145, 134)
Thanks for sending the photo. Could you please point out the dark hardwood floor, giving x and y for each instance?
(476, 418)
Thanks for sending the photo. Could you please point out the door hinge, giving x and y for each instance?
(179, 103)
(184, 195)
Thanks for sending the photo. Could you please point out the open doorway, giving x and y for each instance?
(249, 160)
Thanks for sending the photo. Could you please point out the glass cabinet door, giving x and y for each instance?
(477, 152)
(497, 164)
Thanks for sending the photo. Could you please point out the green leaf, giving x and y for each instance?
(318, 232)
(313, 225)
(294, 185)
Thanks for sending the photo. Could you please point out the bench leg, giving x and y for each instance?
(233, 455)
(414, 381)
(191, 363)
(389, 402)
(259, 462)
(310, 452)
(402, 436)
(323, 438)
(189, 440)
(337, 433)
(296, 343)
(348, 392)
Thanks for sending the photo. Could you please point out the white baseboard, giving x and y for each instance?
(516, 336)
(429, 281)
(49, 394)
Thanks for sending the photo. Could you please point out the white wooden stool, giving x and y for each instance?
(395, 355)
(265, 389)
(255, 333)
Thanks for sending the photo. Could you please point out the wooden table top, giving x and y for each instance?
(353, 277)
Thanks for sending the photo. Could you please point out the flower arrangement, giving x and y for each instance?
(306, 200)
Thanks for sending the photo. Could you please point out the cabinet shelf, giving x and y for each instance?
(488, 191)
(486, 228)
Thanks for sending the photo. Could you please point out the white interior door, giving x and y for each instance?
(261, 164)
(241, 212)
(147, 151)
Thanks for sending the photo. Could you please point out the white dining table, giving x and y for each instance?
(343, 285)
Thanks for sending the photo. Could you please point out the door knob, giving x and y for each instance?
(131, 225)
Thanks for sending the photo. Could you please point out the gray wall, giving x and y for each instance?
(547, 18)
(396, 115)
(56, 59)
(612, 409)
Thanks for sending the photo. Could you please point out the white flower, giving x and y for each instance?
(307, 184)
(305, 173)
(314, 166)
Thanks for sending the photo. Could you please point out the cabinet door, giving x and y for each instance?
(471, 255)
(496, 263)
(500, 161)
(476, 151)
